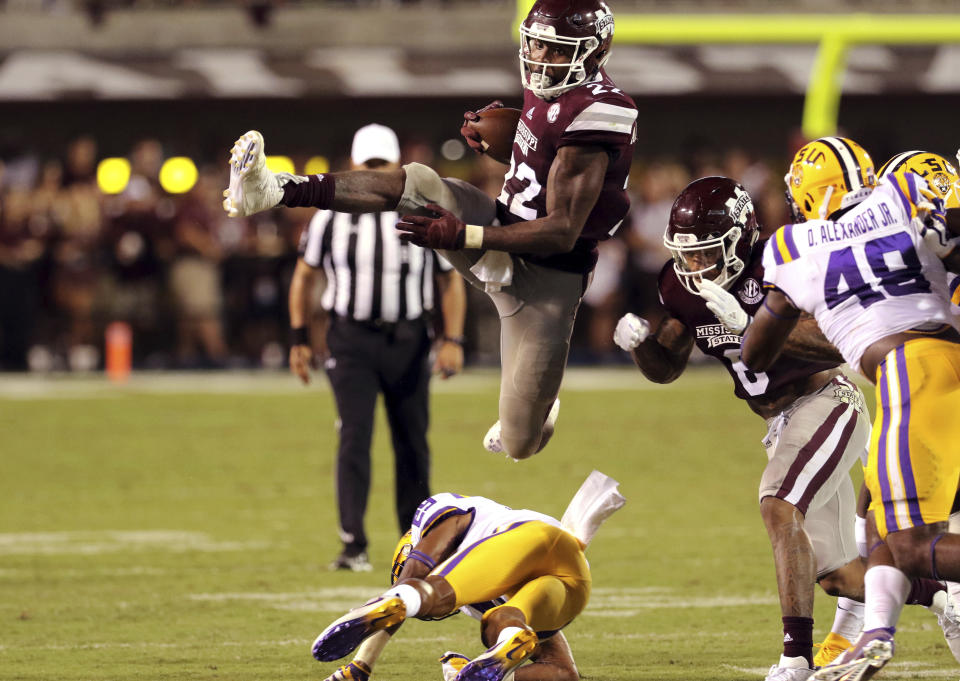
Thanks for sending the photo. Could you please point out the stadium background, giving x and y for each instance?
(177, 526)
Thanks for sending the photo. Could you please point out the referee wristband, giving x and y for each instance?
(298, 336)
(458, 340)
(473, 238)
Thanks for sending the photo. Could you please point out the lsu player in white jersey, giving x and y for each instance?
(941, 176)
(867, 260)
(519, 570)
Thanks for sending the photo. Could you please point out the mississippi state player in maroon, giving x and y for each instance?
(533, 248)
(817, 425)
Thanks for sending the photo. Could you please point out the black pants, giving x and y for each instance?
(366, 360)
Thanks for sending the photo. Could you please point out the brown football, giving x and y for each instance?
(497, 128)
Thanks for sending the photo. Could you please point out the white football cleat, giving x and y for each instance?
(492, 441)
(778, 673)
(950, 624)
(253, 186)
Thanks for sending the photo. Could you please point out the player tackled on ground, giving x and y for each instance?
(532, 250)
(518, 571)
(867, 260)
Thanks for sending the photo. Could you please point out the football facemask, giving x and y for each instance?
(714, 258)
(400, 555)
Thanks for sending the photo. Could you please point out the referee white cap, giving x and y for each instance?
(375, 141)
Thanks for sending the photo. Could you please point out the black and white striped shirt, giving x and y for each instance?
(371, 274)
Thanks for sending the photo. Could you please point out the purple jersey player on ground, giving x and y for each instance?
(817, 425)
(532, 249)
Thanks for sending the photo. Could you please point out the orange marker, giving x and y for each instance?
(119, 354)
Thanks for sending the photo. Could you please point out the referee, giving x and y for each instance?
(377, 304)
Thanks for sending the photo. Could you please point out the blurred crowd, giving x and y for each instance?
(201, 290)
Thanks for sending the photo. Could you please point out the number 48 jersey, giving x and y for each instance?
(864, 276)
(596, 114)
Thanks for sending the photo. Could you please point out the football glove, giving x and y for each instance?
(724, 307)
(931, 223)
(631, 331)
(471, 136)
(446, 231)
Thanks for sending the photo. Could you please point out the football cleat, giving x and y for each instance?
(832, 646)
(492, 441)
(778, 673)
(356, 563)
(344, 635)
(253, 186)
(950, 624)
(352, 671)
(451, 663)
(871, 651)
(500, 659)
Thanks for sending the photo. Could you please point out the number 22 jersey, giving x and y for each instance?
(594, 114)
(865, 275)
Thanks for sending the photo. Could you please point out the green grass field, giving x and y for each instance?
(179, 528)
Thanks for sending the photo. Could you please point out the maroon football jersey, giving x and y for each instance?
(714, 340)
(596, 113)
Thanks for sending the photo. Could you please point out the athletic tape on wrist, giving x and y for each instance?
(473, 237)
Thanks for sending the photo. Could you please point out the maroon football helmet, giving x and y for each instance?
(585, 25)
(712, 229)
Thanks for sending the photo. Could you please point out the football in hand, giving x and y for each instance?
(497, 128)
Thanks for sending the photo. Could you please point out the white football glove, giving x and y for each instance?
(725, 307)
(631, 331)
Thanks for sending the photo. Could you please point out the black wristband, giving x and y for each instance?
(299, 336)
(459, 340)
(318, 191)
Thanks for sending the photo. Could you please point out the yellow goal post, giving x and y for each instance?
(834, 34)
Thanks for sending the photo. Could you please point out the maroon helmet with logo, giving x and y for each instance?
(712, 229)
(585, 25)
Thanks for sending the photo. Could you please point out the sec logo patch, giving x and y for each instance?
(750, 292)
(553, 113)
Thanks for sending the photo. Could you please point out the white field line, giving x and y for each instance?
(603, 602)
(893, 670)
(264, 383)
(91, 543)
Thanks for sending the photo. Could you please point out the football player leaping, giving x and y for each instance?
(517, 571)
(867, 260)
(564, 192)
(817, 425)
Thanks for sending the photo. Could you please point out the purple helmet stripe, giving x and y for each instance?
(909, 483)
